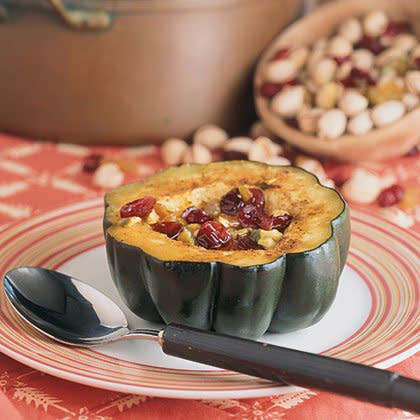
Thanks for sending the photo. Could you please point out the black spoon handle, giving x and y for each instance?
(280, 364)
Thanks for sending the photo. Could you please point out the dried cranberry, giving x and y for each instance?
(292, 122)
(371, 43)
(348, 82)
(249, 216)
(414, 151)
(195, 215)
(281, 54)
(265, 222)
(281, 222)
(234, 155)
(141, 207)
(213, 235)
(92, 163)
(170, 229)
(245, 242)
(269, 89)
(257, 198)
(232, 202)
(390, 196)
(341, 59)
(417, 62)
(395, 28)
(362, 75)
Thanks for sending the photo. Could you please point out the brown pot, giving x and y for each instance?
(143, 70)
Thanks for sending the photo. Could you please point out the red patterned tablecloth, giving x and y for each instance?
(37, 177)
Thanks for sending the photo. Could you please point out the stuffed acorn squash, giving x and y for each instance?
(238, 247)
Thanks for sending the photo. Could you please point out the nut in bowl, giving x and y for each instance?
(354, 93)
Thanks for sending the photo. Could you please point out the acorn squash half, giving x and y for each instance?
(239, 292)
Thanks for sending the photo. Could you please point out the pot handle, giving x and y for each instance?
(82, 18)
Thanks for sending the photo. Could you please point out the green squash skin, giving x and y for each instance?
(293, 292)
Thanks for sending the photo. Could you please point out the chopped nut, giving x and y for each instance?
(351, 29)
(193, 228)
(262, 149)
(363, 59)
(108, 175)
(227, 221)
(339, 47)
(288, 102)
(129, 221)
(280, 71)
(152, 218)
(362, 187)
(211, 136)
(268, 238)
(412, 82)
(375, 23)
(353, 103)
(387, 113)
(328, 95)
(162, 211)
(308, 119)
(332, 124)
(173, 150)
(186, 236)
(323, 71)
(212, 208)
(360, 124)
(410, 101)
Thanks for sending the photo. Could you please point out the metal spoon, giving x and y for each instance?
(75, 313)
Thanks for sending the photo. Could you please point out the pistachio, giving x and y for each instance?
(173, 150)
(404, 42)
(387, 113)
(299, 57)
(108, 175)
(351, 29)
(280, 71)
(339, 47)
(385, 91)
(362, 187)
(344, 70)
(363, 59)
(259, 129)
(353, 103)
(197, 153)
(375, 22)
(323, 71)
(388, 55)
(262, 149)
(332, 124)
(410, 101)
(211, 136)
(360, 124)
(239, 144)
(412, 82)
(288, 102)
(308, 119)
(328, 95)
(277, 161)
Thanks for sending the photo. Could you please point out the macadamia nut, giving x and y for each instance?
(332, 124)
(211, 136)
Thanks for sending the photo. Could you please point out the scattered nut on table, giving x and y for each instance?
(108, 175)
(211, 136)
(362, 187)
(173, 150)
(371, 63)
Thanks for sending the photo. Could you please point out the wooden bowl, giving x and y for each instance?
(379, 144)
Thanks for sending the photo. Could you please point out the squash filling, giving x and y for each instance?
(241, 213)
